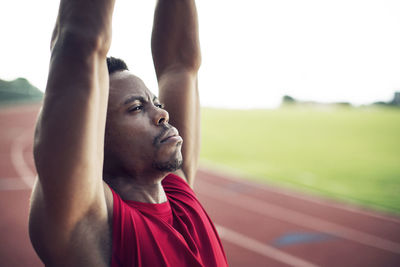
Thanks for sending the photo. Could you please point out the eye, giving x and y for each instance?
(135, 108)
(159, 105)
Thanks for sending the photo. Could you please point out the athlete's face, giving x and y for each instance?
(138, 136)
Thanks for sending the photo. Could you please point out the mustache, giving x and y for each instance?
(165, 128)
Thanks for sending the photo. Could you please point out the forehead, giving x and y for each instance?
(124, 84)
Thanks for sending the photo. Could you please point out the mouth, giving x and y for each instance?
(171, 136)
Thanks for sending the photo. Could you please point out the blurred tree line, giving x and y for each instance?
(288, 100)
(18, 90)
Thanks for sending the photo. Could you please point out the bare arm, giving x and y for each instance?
(177, 59)
(68, 148)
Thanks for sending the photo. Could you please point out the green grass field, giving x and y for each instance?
(351, 154)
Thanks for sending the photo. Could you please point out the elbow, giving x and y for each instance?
(185, 63)
(82, 41)
(195, 63)
(191, 59)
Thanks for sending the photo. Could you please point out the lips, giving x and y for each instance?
(170, 134)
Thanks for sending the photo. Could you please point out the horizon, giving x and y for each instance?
(298, 100)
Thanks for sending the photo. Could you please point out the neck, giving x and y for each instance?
(139, 188)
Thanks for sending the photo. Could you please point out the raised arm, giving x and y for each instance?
(68, 148)
(177, 59)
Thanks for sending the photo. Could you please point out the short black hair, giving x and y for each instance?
(115, 64)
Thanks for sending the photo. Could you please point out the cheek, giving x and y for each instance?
(124, 135)
(137, 138)
(133, 139)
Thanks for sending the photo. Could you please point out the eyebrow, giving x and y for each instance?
(133, 98)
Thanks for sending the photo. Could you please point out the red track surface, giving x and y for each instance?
(259, 225)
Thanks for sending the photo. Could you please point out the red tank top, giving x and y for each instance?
(175, 233)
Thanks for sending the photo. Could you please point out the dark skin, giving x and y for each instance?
(79, 141)
(131, 162)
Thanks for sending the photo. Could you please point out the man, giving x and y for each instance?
(100, 121)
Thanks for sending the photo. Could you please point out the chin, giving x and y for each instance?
(171, 164)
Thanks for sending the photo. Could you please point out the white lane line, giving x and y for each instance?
(12, 184)
(17, 157)
(228, 174)
(295, 217)
(255, 246)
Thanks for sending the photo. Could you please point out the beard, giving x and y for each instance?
(168, 166)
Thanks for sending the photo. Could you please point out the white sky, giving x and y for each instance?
(254, 51)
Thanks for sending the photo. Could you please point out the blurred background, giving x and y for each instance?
(289, 84)
(302, 95)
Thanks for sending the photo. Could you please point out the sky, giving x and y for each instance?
(253, 51)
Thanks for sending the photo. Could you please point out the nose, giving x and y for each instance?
(161, 117)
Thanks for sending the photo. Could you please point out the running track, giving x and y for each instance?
(259, 225)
